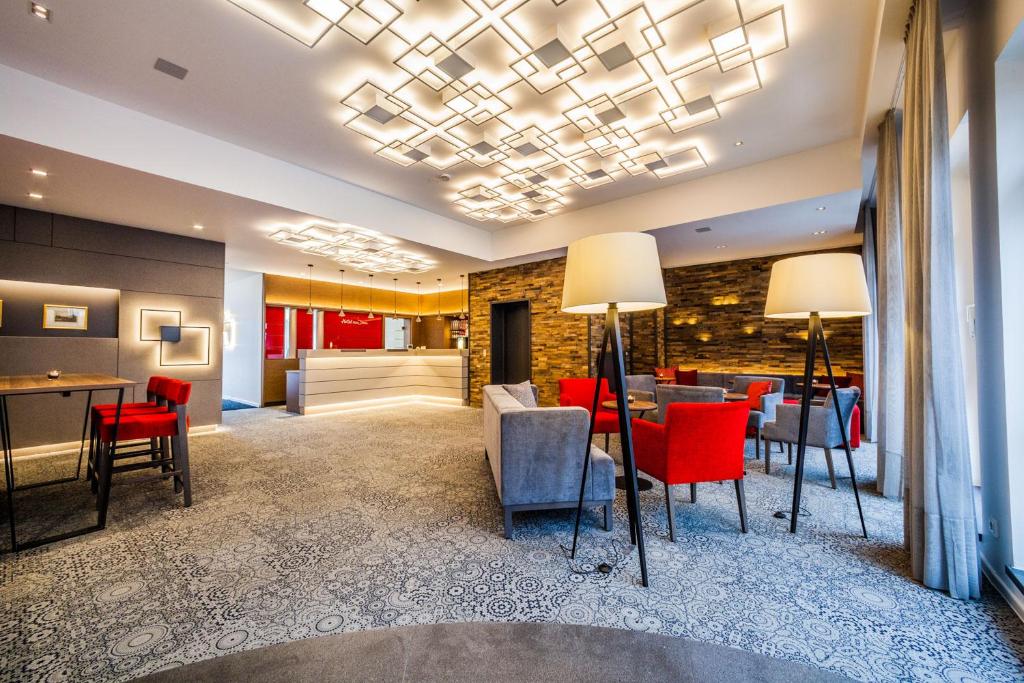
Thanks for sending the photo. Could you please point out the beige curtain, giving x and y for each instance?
(889, 238)
(939, 524)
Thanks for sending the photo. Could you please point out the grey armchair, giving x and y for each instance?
(641, 386)
(822, 429)
(759, 418)
(678, 393)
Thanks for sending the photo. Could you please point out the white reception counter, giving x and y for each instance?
(332, 379)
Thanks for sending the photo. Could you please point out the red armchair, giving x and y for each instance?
(580, 392)
(698, 442)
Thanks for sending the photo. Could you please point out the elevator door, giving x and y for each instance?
(510, 342)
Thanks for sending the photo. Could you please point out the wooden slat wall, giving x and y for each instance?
(293, 291)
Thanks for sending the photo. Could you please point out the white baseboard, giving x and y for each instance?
(1002, 582)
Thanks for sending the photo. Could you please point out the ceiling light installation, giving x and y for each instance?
(535, 101)
(365, 250)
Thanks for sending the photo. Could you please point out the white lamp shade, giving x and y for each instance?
(832, 285)
(617, 267)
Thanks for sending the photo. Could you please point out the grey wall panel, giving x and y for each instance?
(24, 301)
(138, 359)
(37, 420)
(33, 227)
(6, 222)
(204, 406)
(118, 240)
(35, 263)
(149, 269)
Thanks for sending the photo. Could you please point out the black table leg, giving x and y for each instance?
(5, 437)
(85, 430)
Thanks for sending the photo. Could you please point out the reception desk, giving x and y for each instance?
(331, 380)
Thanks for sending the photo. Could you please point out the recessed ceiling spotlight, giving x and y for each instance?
(39, 11)
(820, 232)
(35, 195)
(738, 143)
(197, 226)
(39, 172)
(821, 208)
(721, 246)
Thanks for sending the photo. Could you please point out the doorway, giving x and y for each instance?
(511, 360)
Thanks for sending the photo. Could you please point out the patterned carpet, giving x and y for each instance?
(305, 526)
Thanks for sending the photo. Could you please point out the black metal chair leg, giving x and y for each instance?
(693, 493)
(741, 502)
(670, 508)
(757, 442)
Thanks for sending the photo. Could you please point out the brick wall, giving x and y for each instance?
(715, 321)
(559, 340)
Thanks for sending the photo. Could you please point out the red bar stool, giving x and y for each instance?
(168, 428)
(154, 401)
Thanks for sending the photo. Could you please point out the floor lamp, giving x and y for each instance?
(613, 273)
(818, 286)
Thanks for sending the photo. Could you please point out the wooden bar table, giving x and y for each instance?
(65, 385)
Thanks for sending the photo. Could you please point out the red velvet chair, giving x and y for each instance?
(580, 392)
(167, 427)
(698, 442)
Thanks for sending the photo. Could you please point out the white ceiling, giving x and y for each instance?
(87, 188)
(142, 153)
(84, 187)
(252, 85)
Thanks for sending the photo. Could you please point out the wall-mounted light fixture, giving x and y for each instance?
(179, 344)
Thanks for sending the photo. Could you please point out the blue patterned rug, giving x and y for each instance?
(304, 526)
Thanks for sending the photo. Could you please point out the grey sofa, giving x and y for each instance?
(822, 427)
(536, 456)
(766, 414)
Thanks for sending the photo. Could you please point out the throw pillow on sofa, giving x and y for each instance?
(522, 392)
(755, 390)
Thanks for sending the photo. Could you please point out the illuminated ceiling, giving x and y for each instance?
(528, 103)
(365, 250)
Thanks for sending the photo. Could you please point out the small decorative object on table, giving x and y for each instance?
(53, 374)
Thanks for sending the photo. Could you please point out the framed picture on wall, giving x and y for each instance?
(61, 317)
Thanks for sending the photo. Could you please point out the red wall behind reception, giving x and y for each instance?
(354, 331)
(303, 329)
(274, 323)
